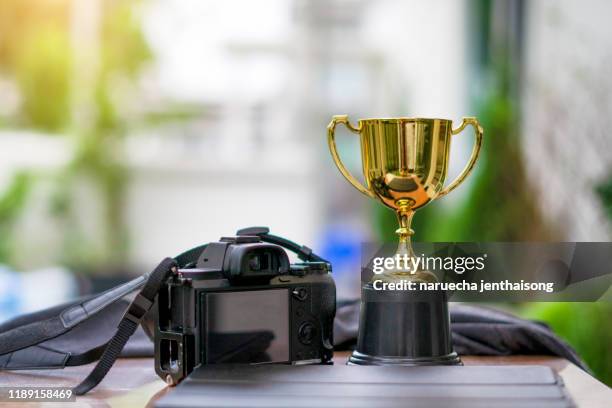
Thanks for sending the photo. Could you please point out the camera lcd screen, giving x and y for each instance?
(247, 326)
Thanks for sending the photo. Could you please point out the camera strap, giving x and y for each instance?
(302, 251)
(128, 325)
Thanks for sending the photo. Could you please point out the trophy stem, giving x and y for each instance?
(404, 216)
(404, 248)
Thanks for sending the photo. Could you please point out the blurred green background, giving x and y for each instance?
(126, 126)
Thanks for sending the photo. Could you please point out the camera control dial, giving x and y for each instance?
(307, 333)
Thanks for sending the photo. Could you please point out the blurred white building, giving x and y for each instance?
(566, 108)
(273, 75)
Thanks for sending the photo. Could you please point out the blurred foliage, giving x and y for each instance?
(586, 326)
(12, 202)
(123, 51)
(44, 64)
(604, 191)
(35, 50)
(39, 53)
(82, 86)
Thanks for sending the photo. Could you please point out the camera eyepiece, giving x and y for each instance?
(244, 258)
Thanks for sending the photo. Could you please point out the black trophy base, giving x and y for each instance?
(358, 358)
(407, 328)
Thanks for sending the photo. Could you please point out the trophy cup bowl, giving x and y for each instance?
(405, 163)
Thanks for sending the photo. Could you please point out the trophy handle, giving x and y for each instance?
(475, 153)
(331, 141)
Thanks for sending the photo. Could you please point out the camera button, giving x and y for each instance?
(306, 333)
(300, 294)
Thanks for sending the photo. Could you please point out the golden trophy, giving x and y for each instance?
(405, 162)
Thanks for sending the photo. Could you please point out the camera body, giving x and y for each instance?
(244, 302)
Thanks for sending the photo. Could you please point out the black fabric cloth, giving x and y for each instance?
(489, 332)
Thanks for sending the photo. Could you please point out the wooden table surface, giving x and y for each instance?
(133, 383)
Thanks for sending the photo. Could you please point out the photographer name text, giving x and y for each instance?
(482, 286)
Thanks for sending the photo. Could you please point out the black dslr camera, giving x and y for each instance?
(244, 302)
